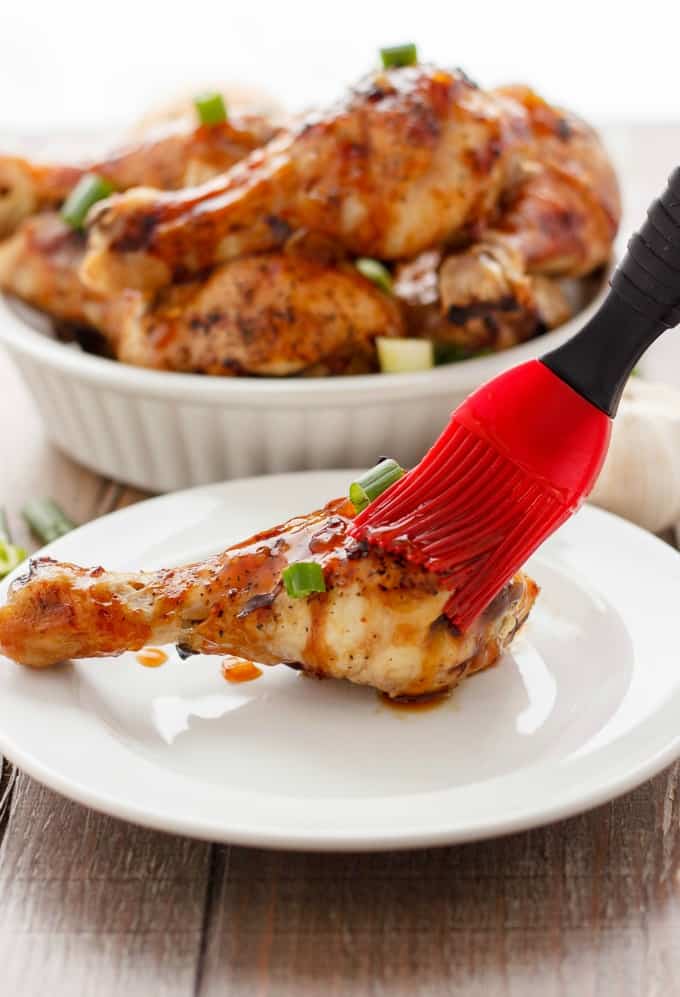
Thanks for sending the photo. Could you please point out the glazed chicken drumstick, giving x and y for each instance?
(380, 621)
(411, 155)
(557, 218)
(168, 156)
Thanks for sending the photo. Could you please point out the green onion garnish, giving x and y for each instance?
(303, 578)
(451, 353)
(403, 356)
(399, 55)
(11, 555)
(374, 482)
(89, 189)
(211, 108)
(46, 520)
(375, 271)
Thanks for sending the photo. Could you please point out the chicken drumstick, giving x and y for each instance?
(380, 621)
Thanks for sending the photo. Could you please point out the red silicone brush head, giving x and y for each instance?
(516, 460)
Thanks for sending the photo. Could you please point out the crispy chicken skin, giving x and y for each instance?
(274, 314)
(409, 156)
(170, 155)
(379, 623)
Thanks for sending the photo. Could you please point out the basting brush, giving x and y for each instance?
(520, 455)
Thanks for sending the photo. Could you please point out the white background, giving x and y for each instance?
(71, 63)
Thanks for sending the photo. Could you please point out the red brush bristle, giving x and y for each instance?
(466, 513)
(515, 461)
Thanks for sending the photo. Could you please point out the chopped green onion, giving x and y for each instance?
(303, 578)
(374, 483)
(375, 271)
(401, 356)
(399, 55)
(211, 108)
(450, 353)
(89, 189)
(11, 555)
(46, 520)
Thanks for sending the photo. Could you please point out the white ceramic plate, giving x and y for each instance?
(586, 706)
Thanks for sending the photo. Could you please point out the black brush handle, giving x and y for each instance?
(643, 301)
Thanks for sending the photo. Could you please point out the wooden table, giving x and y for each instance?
(93, 906)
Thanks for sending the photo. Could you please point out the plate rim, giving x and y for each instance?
(323, 840)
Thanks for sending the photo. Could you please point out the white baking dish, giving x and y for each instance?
(163, 431)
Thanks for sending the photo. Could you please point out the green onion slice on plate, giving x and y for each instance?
(374, 483)
(46, 520)
(89, 189)
(303, 578)
(399, 55)
(403, 356)
(375, 271)
(11, 556)
(211, 108)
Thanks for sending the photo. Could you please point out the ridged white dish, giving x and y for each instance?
(163, 431)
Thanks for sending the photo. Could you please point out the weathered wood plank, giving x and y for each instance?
(94, 905)
(589, 906)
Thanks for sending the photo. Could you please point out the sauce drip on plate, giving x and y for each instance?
(152, 657)
(236, 670)
(417, 704)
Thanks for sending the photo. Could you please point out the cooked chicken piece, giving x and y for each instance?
(380, 621)
(488, 300)
(410, 156)
(564, 209)
(557, 218)
(40, 264)
(171, 155)
(481, 299)
(274, 314)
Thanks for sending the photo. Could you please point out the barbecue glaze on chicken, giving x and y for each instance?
(380, 621)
